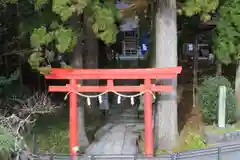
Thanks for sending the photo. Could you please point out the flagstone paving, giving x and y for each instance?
(118, 136)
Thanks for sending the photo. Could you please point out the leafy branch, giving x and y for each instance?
(7, 80)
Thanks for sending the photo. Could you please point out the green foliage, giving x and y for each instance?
(5, 2)
(11, 89)
(40, 37)
(202, 7)
(64, 39)
(208, 99)
(104, 18)
(56, 24)
(35, 59)
(35, 19)
(38, 4)
(6, 143)
(192, 140)
(7, 80)
(227, 34)
(59, 25)
(193, 7)
(15, 91)
(51, 133)
(65, 8)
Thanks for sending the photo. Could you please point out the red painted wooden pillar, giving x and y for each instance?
(148, 119)
(73, 119)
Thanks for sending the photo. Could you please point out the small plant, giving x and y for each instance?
(208, 99)
(11, 135)
(194, 141)
(14, 127)
(38, 103)
(191, 140)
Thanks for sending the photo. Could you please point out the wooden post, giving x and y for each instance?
(73, 119)
(222, 107)
(148, 120)
(195, 70)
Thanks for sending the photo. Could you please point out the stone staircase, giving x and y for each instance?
(126, 115)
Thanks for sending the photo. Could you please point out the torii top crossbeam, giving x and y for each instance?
(151, 73)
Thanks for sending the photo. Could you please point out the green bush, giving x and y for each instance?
(208, 99)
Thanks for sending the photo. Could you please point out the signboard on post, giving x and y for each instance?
(188, 49)
(144, 44)
(222, 107)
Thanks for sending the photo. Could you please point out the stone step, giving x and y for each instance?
(119, 117)
(127, 121)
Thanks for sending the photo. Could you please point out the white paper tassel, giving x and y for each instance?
(132, 101)
(100, 99)
(119, 99)
(88, 101)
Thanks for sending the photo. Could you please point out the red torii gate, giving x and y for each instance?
(110, 74)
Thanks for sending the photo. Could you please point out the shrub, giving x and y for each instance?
(11, 94)
(194, 141)
(208, 99)
(15, 90)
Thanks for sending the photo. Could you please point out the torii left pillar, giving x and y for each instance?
(73, 124)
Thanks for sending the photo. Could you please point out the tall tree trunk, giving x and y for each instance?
(77, 62)
(166, 56)
(91, 51)
(91, 62)
(237, 89)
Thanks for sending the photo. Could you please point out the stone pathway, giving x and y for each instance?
(128, 115)
(119, 136)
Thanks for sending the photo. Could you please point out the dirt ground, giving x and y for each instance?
(188, 116)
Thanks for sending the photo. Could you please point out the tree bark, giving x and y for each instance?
(91, 51)
(91, 62)
(219, 69)
(237, 89)
(77, 62)
(166, 129)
